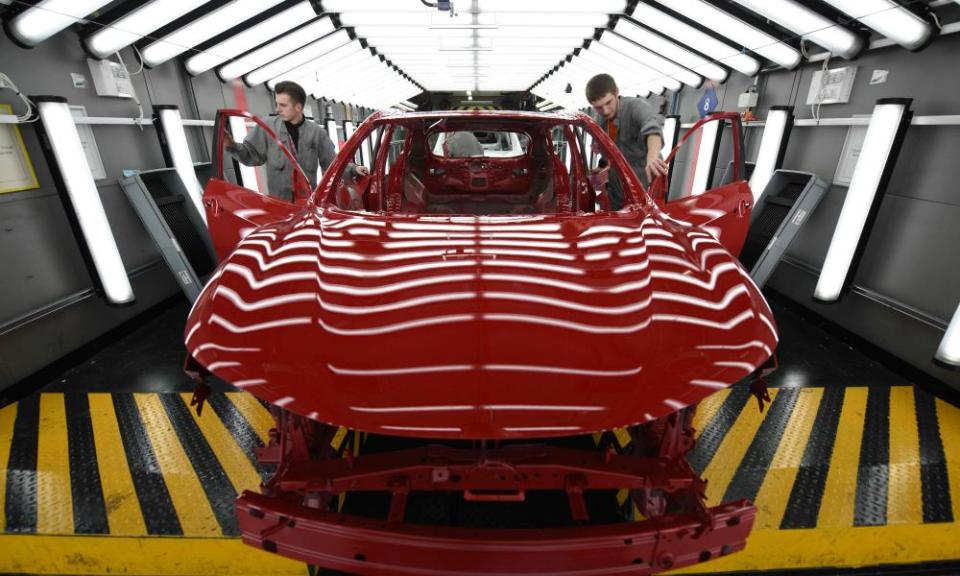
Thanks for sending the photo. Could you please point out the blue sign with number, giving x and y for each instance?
(708, 102)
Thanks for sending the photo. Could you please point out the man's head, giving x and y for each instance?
(604, 96)
(289, 98)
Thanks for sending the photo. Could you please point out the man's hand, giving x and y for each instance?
(361, 171)
(228, 141)
(655, 167)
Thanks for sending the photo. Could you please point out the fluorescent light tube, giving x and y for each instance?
(655, 61)
(250, 38)
(248, 174)
(671, 133)
(890, 19)
(877, 158)
(203, 29)
(706, 156)
(276, 49)
(329, 63)
(809, 24)
(137, 24)
(48, 17)
(173, 141)
(719, 51)
(71, 172)
(735, 29)
(773, 145)
(671, 50)
(311, 51)
(948, 352)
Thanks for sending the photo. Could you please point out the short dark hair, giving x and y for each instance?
(599, 86)
(292, 89)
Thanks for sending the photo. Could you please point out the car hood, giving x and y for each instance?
(480, 327)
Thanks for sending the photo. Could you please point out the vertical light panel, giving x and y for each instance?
(176, 152)
(706, 157)
(71, 172)
(348, 133)
(248, 174)
(773, 145)
(334, 134)
(949, 351)
(367, 152)
(45, 19)
(671, 131)
(877, 157)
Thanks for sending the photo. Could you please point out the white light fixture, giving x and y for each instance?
(367, 152)
(655, 61)
(250, 38)
(347, 130)
(773, 145)
(671, 133)
(706, 163)
(334, 134)
(137, 24)
(719, 51)
(202, 29)
(71, 172)
(735, 29)
(553, 6)
(48, 17)
(176, 152)
(671, 50)
(890, 19)
(809, 24)
(276, 49)
(948, 353)
(351, 53)
(248, 174)
(877, 158)
(311, 51)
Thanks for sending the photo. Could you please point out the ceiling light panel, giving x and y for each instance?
(655, 61)
(251, 38)
(299, 57)
(890, 19)
(202, 29)
(348, 54)
(48, 17)
(707, 45)
(669, 49)
(809, 24)
(276, 49)
(137, 24)
(735, 29)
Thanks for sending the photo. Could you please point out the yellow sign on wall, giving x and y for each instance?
(16, 170)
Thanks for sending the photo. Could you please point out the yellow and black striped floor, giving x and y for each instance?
(105, 483)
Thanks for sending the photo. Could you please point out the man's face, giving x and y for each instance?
(606, 106)
(287, 109)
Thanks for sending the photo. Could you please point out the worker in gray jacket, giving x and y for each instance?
(636, 128)
(307, 141)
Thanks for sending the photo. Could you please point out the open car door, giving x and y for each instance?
(236, 197)
(694, 192)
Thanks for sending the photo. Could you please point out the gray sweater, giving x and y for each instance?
(635, 121)
(315, 149)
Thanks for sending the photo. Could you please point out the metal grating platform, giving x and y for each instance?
(104, 483)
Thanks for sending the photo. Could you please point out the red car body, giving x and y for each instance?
(358, 308)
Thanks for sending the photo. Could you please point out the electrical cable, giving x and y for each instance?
(133, 91)
(30, 116)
